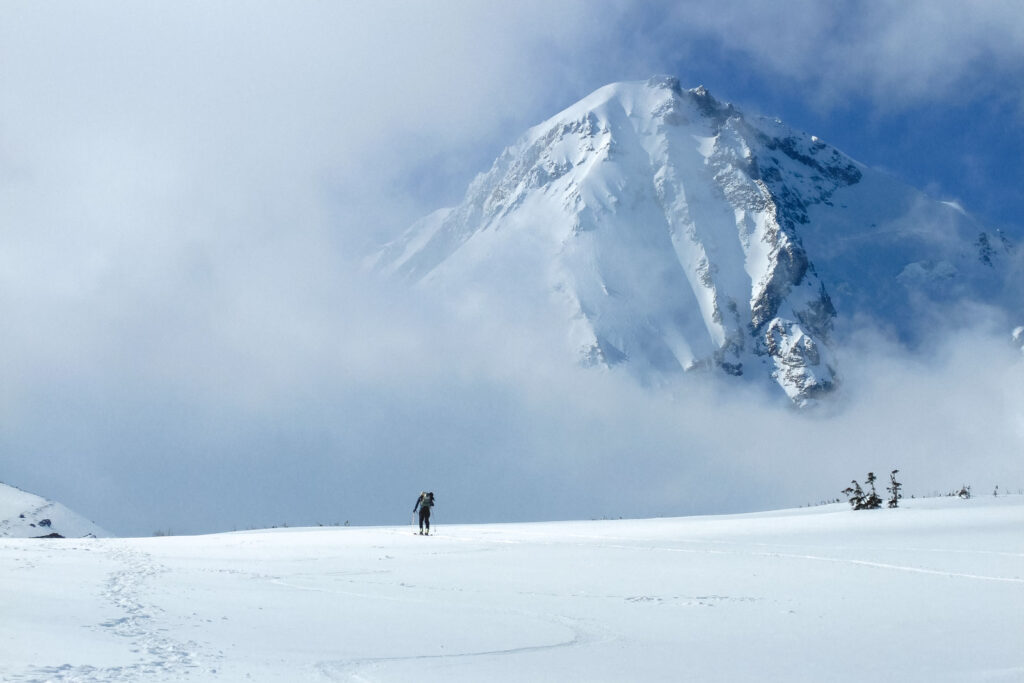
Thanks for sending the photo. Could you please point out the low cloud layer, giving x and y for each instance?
(187, 193)
(304, 421)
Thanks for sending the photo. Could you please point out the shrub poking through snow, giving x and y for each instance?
(873, 501)
(894, 490)
(861, 500)
(855, 494)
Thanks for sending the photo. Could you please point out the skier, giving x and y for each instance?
(424, 503)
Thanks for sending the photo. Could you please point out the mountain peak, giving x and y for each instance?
(673, 234)
(665, 82)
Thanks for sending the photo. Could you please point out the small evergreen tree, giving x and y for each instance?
(861, 500)
(894, 490)
(873, 501)
(855, 495)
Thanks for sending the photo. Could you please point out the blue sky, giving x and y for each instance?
(931, 92)
(949, 122)
(187, 190)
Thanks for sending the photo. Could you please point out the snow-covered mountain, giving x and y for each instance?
(673, 233)
(25, 515)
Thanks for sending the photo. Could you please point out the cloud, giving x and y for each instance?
(894, 53)
(186, 191)
(295, 414)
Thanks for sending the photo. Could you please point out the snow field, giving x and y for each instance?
(932, 591)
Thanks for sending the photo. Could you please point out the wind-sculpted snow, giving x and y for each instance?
(676, 234)
(926, 592)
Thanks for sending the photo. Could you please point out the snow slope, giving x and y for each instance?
(674, 233)
(25, 515)
(928, 592)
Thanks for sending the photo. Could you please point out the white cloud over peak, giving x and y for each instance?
(185, 192)
(895, 52)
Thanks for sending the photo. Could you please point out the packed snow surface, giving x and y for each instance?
(931, 591)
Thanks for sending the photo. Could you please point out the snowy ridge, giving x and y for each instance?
(25, 515)
(676, 234)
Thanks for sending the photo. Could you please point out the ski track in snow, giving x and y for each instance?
(794, 556)
(838, 560)
(356, 670)
(359, 669)
(141, 623)
(902, 568)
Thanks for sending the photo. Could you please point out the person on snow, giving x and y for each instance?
(424, 503)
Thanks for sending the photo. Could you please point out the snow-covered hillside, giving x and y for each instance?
(673, 233)
(931, 591)
(25, 515)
